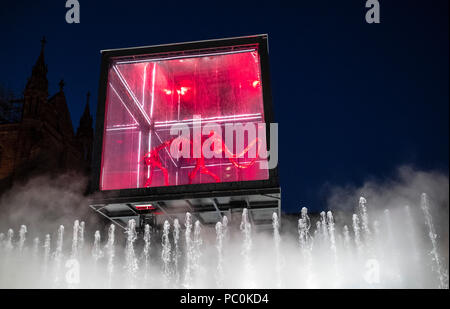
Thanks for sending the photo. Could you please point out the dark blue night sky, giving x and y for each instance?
(353, 100)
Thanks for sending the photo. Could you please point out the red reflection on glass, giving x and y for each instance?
(144, 207)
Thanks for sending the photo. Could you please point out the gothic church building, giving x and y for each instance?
(43, 141)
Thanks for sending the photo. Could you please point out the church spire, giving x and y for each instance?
(85, 127)
(61, 85)
(35, 93)
(43, 42)
(87, 112)
(37, 83)
(85, 132)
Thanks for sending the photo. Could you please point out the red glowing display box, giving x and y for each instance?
(145, 91)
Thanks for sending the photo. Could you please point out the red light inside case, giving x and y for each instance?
(146, 97)
(144, 207)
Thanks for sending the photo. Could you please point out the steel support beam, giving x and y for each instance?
(104, 215)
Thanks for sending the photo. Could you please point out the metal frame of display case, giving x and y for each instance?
(217, 198)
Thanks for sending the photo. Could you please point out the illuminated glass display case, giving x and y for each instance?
(157, 100)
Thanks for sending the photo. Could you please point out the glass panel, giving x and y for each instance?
(149, 96)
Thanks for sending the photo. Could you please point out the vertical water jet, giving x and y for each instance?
(277, 241)
(146, 251)
(165, 254)
(219, 247)
(131, 264)
(246, 230)
(22, 237)
(110, 251)
(76, 226)
(176, 253)
(189, 252)
(97, 252)
(432, 235)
